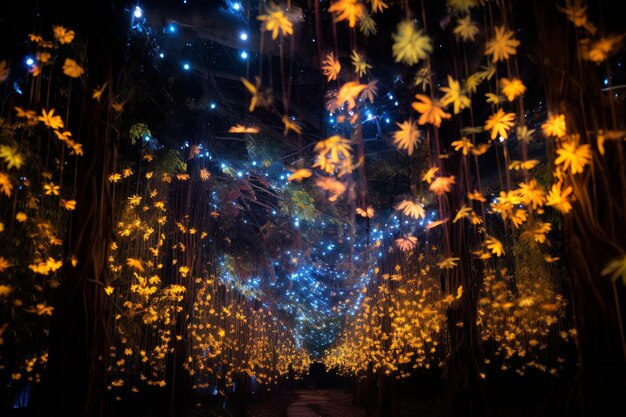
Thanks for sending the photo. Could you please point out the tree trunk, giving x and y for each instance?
(594, 232)
(462, 372)
(76, 375)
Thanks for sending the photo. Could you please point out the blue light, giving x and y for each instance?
(390, 96)
(186, 67)
(237, 6)
(244, 55)
(146, 138)
(243, 36)
(387, 120)
(161, 55)
(240, 174)
(332, 120)
(171, 28)
(30, 61)
(606, 81)
(138, 12)
(212, 106)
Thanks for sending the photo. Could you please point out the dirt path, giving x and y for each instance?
(323, 403)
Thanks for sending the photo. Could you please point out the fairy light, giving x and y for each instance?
(138, 13)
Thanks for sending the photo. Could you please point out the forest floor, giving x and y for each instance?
(309, 403)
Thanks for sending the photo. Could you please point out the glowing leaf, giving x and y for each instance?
(274, 21)
(239, 128)
(410, 44)
(616, 267)
(500, 123)
(331, 67)
(430, 111)
(502, 45)
(512, 88)
(412, 209)
(455, 96)
(555, 126)
(573, 156)
(300, 174)
(442, 185)
(350, 10)
(495, 245)
(407, 137)
(72, 69)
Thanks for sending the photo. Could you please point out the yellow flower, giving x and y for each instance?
(573, 156)
(502, 45)
(331, 67)
(558, 198)
(50, 119)
(466, 29)
(617, 267)
(454, 94)
(275, 21)
(555, 126)
(410, 44)
(350, 10)
(21, 217)
(407, 137)
(72, 69)
(431, 111)
(108, 290)
(11, 156)
(359, 63)
(500, 123)
(512, 88)
(63, 35)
